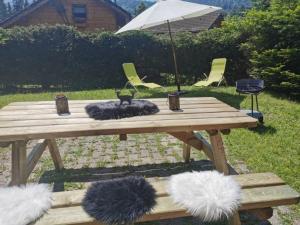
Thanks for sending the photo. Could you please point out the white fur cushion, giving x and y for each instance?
(208, 195)
(25, 204)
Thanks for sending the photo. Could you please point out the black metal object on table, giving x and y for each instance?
(252, 87)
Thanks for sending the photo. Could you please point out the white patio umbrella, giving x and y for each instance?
(164, 12)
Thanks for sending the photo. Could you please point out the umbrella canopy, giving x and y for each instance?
(167, 11)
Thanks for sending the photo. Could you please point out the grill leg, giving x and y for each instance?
(257, 103)
(252, 105)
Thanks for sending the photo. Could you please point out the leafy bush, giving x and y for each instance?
(275, 52)
(62, 56)
(271, 43)
(264, 43)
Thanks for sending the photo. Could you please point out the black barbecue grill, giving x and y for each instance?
(254, 88)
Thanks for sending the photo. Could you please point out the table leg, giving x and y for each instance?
(186, 152)
(218, 151)
(19, 163)
(221, 164)
(190, 139)
(58, 163)
(235, 219)
(35, 155)
(123, 137)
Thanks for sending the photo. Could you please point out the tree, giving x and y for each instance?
(26, 3)
(261, 4)
(3, 10)
(17, 5)
(270, 42)
(140, 8)
(9, 9)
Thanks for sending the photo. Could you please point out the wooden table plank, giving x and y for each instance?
(19, 160)
(107, 128)
(157, 117)
(73, 115)
(165, 208)
(218, 150)
(76, 104)
(160, 184)
(103, 100)
(19, 121)
(4, 112)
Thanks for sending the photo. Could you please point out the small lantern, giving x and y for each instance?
(174, 101)
(62, 105)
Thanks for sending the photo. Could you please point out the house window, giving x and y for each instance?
(79, 13)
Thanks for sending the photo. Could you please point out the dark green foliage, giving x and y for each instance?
(272, 44)
(62, 56)
(9, 8)
(140, 8)
(227, 5)
(261, 4)
(264, 44)
(26, 3)
(18, 5)
(3, 10)
(131, 5)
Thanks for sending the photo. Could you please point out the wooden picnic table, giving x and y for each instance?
(24, 121)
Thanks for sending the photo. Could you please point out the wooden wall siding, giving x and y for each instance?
(45, 14)
(99, 16)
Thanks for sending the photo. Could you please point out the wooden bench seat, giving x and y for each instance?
(259, 191)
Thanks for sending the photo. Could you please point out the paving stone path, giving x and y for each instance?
(90, 159)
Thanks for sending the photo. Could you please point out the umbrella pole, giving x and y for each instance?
(174, 57)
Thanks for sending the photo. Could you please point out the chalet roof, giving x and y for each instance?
(197, 24)
(37, 4)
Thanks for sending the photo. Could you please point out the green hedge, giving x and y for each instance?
(263, 44)
(62, 56)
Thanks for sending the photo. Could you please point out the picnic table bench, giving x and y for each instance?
(258, 191)
(24, 121)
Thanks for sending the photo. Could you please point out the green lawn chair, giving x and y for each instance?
(216, 74)
(133, 77)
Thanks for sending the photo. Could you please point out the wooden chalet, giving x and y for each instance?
(86, 15)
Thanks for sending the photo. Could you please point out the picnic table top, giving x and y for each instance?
(39, 120)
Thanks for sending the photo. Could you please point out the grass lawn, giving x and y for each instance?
(272, 147)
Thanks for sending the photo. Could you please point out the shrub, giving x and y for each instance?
(263, 43)
(271, 44)
(62, 56)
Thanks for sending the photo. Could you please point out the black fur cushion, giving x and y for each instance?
(119, 201)
(113, 109)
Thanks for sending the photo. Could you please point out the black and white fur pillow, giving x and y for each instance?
(119, 201)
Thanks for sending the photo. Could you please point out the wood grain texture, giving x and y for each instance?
(235, 219)
(38, 120)
(81, 109)
(43, 122)
(71, 198)
(100, 15)
(218, 150)
(19, 163)
(186, 153)
(202, 99)
(207, 148)
(38, 116)
(55, 155)
(35, 155)
(67, 211)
